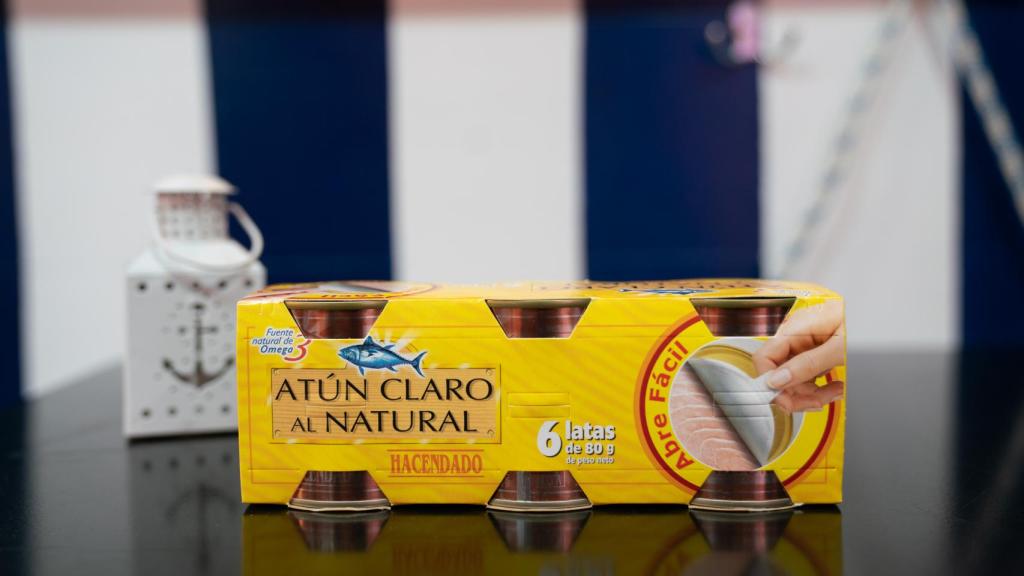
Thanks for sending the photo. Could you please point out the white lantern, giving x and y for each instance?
(181, 292)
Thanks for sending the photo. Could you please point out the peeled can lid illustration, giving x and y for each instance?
(745, 402)
(740, 401)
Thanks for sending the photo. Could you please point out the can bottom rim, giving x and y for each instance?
(719, 505)
(339, 505)
(539, 506)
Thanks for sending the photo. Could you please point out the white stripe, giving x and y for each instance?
(485, 141)
(892, 245)
(104, 106)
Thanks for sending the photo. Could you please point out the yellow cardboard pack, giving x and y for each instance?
(541, 395)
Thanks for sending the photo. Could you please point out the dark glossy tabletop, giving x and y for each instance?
(934, 470)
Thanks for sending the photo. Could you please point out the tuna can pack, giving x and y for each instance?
(721, 394)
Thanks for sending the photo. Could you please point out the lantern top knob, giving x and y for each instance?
(194, 184)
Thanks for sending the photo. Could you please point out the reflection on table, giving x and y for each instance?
(606, 540)
(934, 484)
(185, 510)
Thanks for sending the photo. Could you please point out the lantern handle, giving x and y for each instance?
(165, 249)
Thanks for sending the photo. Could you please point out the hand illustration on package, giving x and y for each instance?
(738, 402)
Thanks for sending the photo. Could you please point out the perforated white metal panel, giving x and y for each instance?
(180, 373)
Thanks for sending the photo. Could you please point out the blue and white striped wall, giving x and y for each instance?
(459, 140)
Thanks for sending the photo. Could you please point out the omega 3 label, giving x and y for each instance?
(346, 406)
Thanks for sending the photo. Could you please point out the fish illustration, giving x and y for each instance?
(674, 291)
(373, 356)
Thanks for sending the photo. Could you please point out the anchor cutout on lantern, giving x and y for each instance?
(199, 376)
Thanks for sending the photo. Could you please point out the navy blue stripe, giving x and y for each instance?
(10, 385)
(671, 146)
(300, 98)
(993, 235)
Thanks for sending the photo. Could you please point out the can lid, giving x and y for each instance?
(194, 184)
(543, 304)
(744, 302)
(369, 304)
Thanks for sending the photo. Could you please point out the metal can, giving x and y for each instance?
(742, 492)
(538, 318)
(743, 316)
(539, 492)
(755, 489)
(338, 491)
(335, 320)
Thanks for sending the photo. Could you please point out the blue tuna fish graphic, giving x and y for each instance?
(675, 291)
(372, 355)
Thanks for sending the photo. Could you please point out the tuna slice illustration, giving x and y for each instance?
(745, 401)
(709, 434)
(371, 355)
